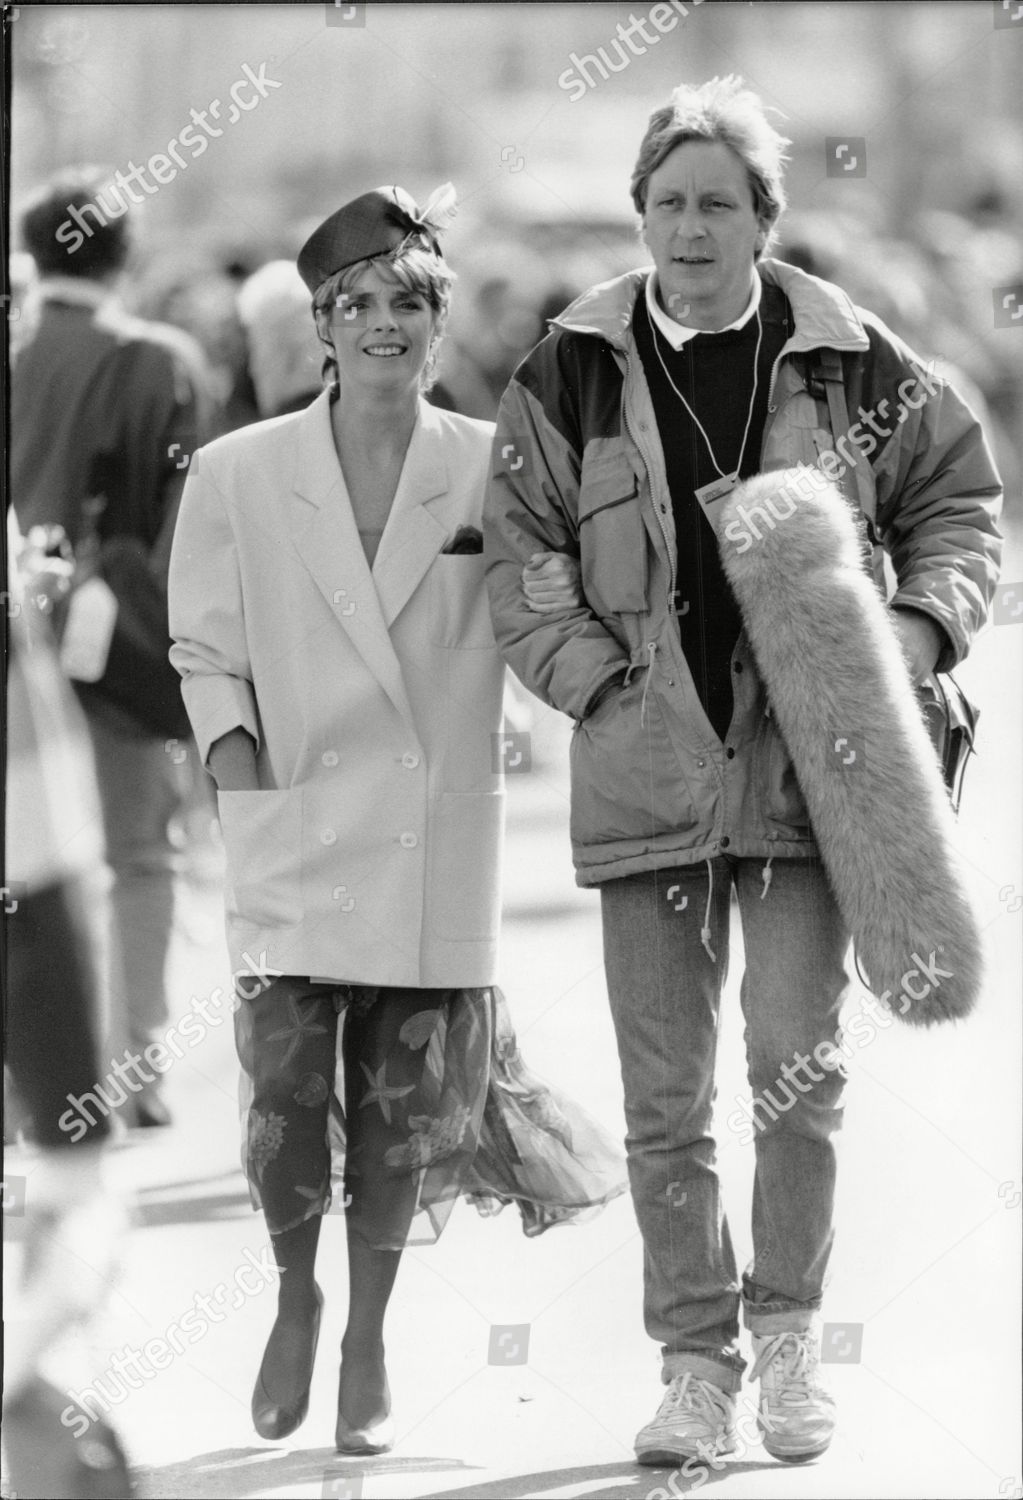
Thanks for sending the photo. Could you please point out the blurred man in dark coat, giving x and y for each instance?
(105, 413)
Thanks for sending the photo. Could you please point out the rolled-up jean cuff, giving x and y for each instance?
(727, 1377)
(762, 1321)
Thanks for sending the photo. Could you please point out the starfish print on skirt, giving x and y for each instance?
(301, 1026)
(380, 1092)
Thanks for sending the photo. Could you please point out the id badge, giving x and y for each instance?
(711, 495)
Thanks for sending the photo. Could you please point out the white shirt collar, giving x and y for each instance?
(678, 334)
(75, 289)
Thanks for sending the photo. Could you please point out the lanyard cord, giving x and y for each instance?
(695, 418)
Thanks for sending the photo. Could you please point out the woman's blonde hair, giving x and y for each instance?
(415, 268)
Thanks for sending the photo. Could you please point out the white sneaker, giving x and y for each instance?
(696, 1419)
(796, 1412)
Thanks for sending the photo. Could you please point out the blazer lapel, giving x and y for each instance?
(325, 536)
(416, 529)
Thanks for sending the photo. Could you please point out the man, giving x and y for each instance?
(651, 397)
(105, 412)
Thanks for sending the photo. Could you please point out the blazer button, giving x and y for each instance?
(410, 761)
(409, 841)
(328, 836)
(329, 757)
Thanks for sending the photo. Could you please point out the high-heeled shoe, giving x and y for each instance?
(374, 1437)
(378, 1437)
(279, 1418)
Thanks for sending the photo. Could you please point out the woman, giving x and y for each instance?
(340, 672)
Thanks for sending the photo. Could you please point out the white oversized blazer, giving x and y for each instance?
(371, 854)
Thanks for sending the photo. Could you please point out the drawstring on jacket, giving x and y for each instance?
(768, 872)
(637, 661)
(705, 929)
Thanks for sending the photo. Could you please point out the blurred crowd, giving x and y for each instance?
(932, 284)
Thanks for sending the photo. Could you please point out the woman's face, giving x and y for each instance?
(381, 333)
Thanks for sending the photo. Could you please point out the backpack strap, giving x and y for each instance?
(827, 379)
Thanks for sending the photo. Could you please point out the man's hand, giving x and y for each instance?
(921, 639)
(550, 581)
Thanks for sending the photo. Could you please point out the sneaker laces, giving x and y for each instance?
(797, 1365)
(687, 1393)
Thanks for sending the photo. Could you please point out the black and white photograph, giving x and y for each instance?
(512, 938)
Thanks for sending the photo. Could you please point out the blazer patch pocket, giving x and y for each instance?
(262, 833)
(612, 537)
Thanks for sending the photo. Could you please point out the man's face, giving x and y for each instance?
(701, 229)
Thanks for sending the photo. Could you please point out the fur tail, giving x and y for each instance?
(845, 706)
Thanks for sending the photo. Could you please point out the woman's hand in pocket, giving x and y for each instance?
(232, 762)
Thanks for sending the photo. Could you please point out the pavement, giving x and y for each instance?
(521, 1368)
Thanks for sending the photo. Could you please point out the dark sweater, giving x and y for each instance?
(714, 372)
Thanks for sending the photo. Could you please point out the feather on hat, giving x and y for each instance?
(370, 225)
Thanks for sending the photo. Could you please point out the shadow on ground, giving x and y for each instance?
(233, 1473)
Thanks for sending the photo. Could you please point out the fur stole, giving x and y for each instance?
(842, 697)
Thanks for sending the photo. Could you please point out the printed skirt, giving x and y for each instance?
(388, 1104)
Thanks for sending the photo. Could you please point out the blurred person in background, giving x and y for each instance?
(72, 1221)
(497, 320)
(331, 628)
(651, 398)
(193, 292)
(105, 413)
(21, 314)
(284, 352)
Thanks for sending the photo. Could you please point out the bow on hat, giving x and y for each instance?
(370, 225)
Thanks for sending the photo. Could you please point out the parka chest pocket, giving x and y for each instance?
(612, 537)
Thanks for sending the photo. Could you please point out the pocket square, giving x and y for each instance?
(465, 539)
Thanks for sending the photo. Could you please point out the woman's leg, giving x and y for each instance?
(383, 1071)
(286, 1042)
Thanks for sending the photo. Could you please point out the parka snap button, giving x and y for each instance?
(738, 666)
(409, 841)
(725, 842)
(730, 753)
(701, 764)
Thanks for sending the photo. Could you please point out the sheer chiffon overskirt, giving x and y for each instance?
(430, 1087)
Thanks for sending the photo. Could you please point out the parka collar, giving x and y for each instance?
(824, 315)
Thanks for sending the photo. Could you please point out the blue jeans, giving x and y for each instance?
(665, 994)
